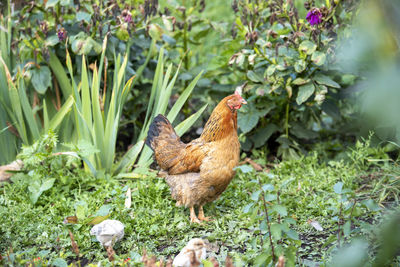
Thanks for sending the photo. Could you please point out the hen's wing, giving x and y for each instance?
(171, 154)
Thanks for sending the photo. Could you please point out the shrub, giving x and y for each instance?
(294, 91)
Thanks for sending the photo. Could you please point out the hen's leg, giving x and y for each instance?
(193, 217)
(201, 215)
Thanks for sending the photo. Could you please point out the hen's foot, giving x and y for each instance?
(194, 220)
(201, 215)
(193, 217)
(206, 219)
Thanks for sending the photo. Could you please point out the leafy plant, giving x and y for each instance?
(98, 126)
(275, 232)
(39, 159)
(293, 91)
(185, 27)
(378, 249)
(345, 207)
(33, 45)
(20, 119)
(25, 118)
(49, 27)
(93, 125)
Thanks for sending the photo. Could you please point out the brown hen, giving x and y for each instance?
(199, 171)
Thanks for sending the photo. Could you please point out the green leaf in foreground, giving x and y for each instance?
(325, 80)
(59, 262)
(41, 79)
(318, 58)
(338, 187)
(307, 47)
(305, 91)
(186, 124)
(36, 188)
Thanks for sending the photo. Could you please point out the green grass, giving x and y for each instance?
(153, 222)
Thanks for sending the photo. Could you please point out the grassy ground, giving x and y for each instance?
(340, 196)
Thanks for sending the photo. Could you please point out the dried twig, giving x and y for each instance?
(255, 165)
(74, 245)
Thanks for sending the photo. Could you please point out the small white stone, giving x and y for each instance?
(108, 232)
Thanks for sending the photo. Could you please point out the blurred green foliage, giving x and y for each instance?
(372, 51)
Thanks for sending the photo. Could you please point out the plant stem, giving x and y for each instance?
(267, 218)
(277, 199)
(339, 219)
(186, 56)
(319, 37)
(351, 213)
(185, 40)
(261, 235)
(287, 119)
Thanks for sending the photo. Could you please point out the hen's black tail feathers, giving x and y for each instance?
(155, 128)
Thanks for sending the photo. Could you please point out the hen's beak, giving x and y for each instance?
(243, 101)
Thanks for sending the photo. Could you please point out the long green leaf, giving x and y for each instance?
(125, 92)
(8, 141)
(111, 137)
(74, 86)
(98, 124)
(182, 127)
(110, 130)
(62, 113)
(159, 88)
(15, 104)
(121, 72)
(157, 77)
(143, 66)
(61, 75)
(130, 157)
(46, 123)
(182, 99)
(165, 95)
(27, 109)
(5, 36)
(85, 92)
(20, 124)
(100, 71)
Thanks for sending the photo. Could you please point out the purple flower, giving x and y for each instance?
(128, 18)
(62, 34)
(314, 16)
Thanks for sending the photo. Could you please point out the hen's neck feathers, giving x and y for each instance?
(222, 122)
